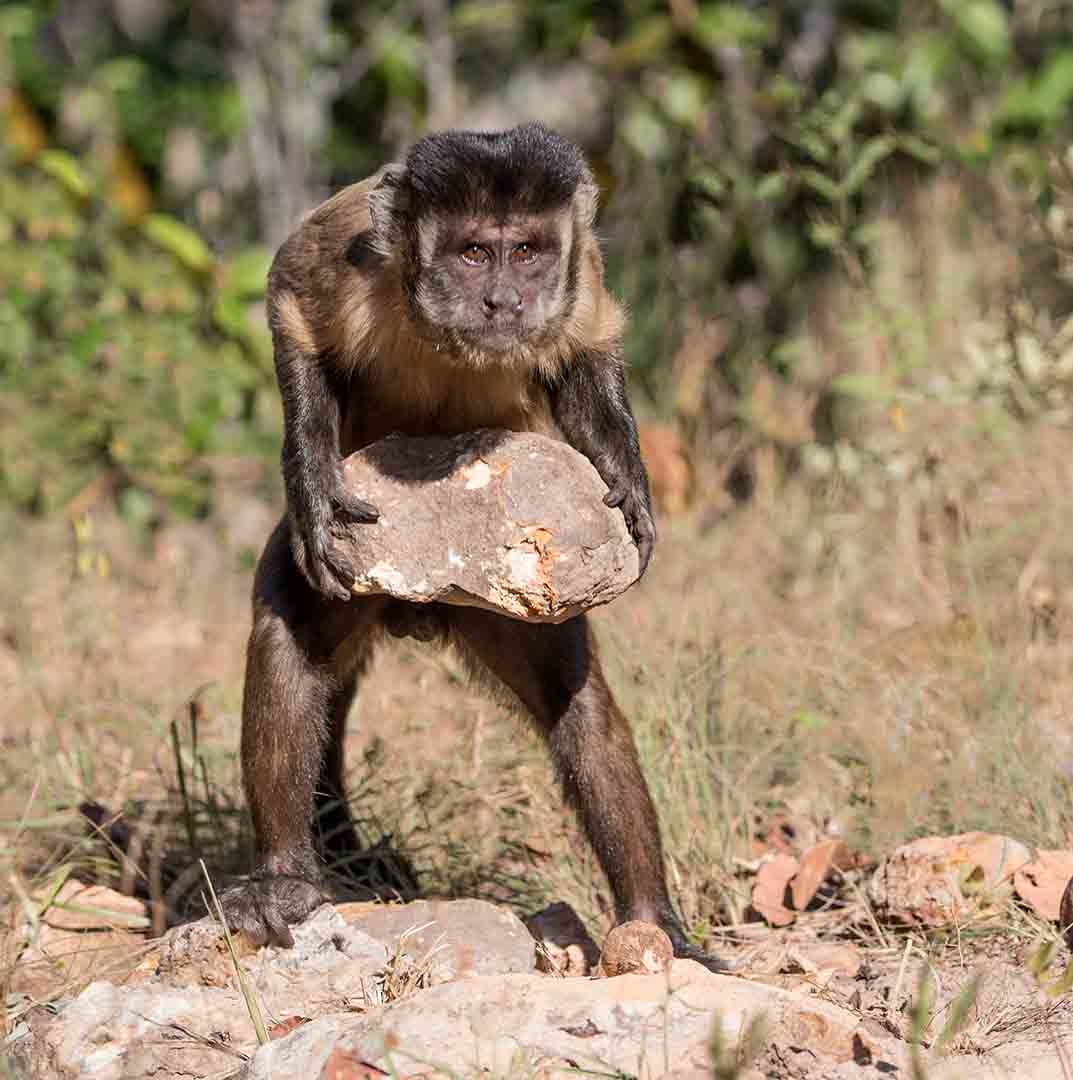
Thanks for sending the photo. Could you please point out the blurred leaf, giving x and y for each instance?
(863, 387)
(17, 20)
(246, 274)
(871, 154)
(826, 235)
(643, 43)
(62, 167)
(772, 186)
(685, 97)
(982, 27)
(883, 91)
(1054, 87)
(179, 240)
(229, 314)
(919, 149)
(399, 64)
(719, 25)
(644, 131)
(820, 184)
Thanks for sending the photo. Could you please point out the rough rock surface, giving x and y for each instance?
(508, 521)
(85, 931)
(457, 938)
(642, 1025)
(186, 1018)
(943, 879)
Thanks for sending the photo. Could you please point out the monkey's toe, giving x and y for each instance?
(265, 908)
(684, 949)
(693, 952)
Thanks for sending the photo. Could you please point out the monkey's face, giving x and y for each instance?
(495, 285)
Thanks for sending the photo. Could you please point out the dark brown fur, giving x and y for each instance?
(358, 360)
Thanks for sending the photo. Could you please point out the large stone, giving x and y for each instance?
(938, 880)
(639, 1025)
(512, 522)
(457, 938)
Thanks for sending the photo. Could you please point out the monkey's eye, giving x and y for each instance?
(475, 255)
(523, 253)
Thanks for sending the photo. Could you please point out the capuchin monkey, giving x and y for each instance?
(462, 289)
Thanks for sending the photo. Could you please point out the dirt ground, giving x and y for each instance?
(883, 663)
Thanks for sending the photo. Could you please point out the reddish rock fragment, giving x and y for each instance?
(816, 864)
(769, 889)
(343, 1066)
(1040, 883)
(286, 1026)
(942, 879)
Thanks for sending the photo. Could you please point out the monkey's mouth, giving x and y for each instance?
(498, 334)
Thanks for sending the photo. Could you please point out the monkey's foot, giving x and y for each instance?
(264, 908)
(684, 949)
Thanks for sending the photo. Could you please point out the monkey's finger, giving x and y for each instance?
(328, 577)
(354, 509)
(643, 532)
(617, 495)
(341, 576)
(645, 544)
(279, 932)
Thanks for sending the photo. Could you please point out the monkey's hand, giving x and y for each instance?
(630, 495)
(315, 523)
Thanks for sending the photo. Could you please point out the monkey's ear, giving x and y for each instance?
(586, 199)
(385, 205)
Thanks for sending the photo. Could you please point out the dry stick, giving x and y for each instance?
(203, 1040)
(863, 900)
(252, 1007)
(188, 813)
(157, 906)
(892, 1004)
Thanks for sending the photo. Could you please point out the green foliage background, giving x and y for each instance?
(738, 173)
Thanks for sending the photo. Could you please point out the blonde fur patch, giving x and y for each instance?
(288, 319)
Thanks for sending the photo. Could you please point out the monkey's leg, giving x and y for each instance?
(377, 871)
(554, 671)
(303, 652)
(334, 834)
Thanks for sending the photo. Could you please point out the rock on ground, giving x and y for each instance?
(512, 522)
(641, 1025)
(939, 880)
(336, 1009)
(457, 938)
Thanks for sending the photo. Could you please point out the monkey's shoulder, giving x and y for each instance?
(334, 235)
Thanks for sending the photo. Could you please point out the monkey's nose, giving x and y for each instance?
(502, 298)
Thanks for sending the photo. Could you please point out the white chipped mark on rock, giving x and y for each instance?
(477, 475)
(382, 577)
(526, 588)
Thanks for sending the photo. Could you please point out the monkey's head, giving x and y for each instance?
(485, 227)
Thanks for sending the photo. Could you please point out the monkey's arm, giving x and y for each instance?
(312, 475)
(589, 405)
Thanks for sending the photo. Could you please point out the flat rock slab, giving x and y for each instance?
(457, 938)
(633, 1025)
(511, 522)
